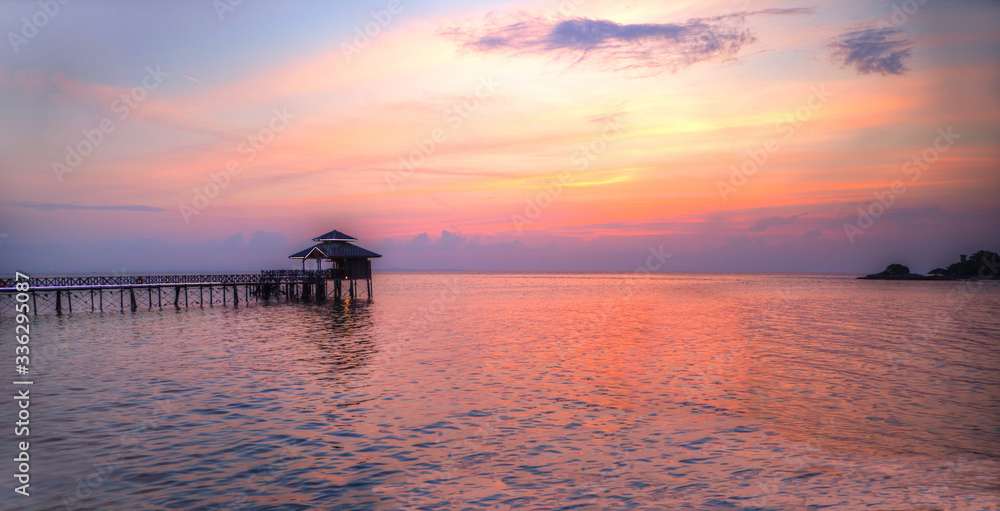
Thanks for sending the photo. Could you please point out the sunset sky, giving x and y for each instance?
(576, 135)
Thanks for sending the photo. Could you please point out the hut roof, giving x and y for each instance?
(335, 236)
(310, 253)
(335, 250)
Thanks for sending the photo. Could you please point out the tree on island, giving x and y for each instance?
(983, 265)
(895, 269)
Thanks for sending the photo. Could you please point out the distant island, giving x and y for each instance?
(983, 265)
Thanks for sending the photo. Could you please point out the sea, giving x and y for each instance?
(502, 391)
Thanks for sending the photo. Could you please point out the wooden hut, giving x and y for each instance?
(348, 261)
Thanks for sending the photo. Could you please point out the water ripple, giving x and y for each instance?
(504, 391)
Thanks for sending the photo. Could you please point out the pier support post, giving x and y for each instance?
(91, 299)
(177, 296)
(131, 294)
(236, 296)
(58, 301)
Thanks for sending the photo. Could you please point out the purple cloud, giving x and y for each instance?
(774, 221)
(875, 50)
(54, 207)
(615, 46)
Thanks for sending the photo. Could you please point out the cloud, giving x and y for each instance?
(233, 242)
(419, 241)
(902, 216)
(875, 50)
(155, 107)
(261, 242)
(265, 239)
(53, 207)
(32, 81)
(615, 46)
(773, 221)
(449, 240)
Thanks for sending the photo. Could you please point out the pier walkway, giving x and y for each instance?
(133, 292)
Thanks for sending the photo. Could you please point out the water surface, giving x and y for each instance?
(531, 391)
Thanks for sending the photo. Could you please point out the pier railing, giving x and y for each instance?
(302, 274)
(135, 280)
(133, 292)
(267, 276)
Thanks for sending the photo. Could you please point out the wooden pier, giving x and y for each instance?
(349, 265)
(64, 295)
